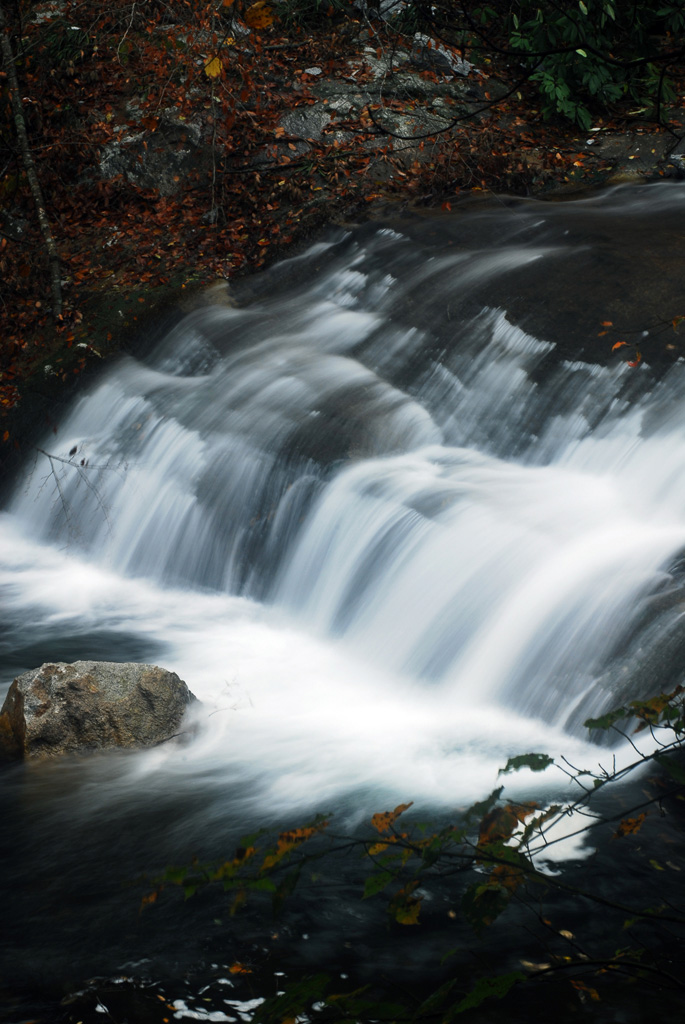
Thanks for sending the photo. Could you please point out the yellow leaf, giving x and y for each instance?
(629, 826)
(404, 907)
(409, 913)
(383, 821)
(288, 841)
(213, 68)
(259, 15)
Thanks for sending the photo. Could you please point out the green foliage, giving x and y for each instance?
(487, 988)
(665, 711)
(586, 56)
(65, 45)
(296, 1001)
(536, 763)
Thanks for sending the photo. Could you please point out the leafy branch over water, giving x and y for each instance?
(493, 859)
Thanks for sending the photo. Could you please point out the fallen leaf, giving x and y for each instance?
(213, 68)
(259, 15)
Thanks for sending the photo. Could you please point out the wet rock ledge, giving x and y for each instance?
(90, 705)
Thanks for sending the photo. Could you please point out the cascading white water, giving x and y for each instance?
(385, 534)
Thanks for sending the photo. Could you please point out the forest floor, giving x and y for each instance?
(160, 181)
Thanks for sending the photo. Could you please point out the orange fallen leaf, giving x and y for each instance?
(238, 968)
(259, 15)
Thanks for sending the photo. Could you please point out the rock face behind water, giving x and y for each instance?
(90, 705)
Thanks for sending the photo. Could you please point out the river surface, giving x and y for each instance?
(396, 516)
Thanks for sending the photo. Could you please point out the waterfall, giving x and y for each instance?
(387, 530)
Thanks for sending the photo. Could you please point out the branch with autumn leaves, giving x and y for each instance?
(488, 860)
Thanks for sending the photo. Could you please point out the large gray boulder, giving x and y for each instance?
(90, 705)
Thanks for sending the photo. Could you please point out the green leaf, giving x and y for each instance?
(535, 823)
(536, 763)
(286, 889)
(581, 52)
(432, 1004)
(486, 988)
(296, 999)
(481, 904)
(376, 883)
(670, 765)
(477, 810)
(605, 721)
(582, 6)
(175, 875)
(583, 118)
(262, 885)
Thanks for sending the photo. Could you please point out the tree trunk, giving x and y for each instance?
(29, 165)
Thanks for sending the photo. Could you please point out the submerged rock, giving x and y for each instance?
(90, 705)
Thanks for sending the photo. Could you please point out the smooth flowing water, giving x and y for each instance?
(396, 518)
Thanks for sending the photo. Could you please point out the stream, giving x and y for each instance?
(396, 515)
